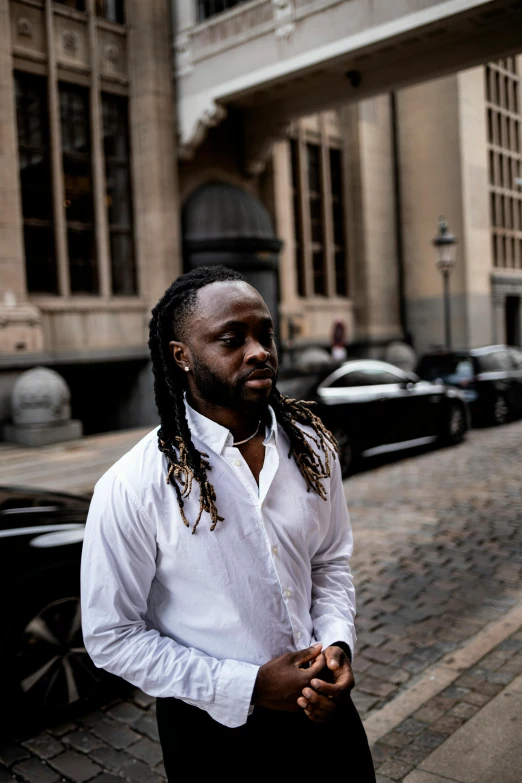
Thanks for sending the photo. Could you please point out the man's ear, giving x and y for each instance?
(181, 354)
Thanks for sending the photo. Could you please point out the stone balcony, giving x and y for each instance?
(278, 59)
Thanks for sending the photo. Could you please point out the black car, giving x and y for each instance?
(43, 663)
(374, 408)
(490, 379)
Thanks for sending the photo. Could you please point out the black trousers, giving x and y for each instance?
(278, 745)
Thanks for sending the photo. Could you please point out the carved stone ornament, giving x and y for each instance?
(25, 27)
(183, 55)
(70, 42)
(284, 18)
(113, 54)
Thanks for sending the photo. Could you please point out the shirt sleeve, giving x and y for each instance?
(118, 568)
(333, 592)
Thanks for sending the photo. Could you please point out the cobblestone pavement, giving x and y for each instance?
(438, 556)
(404, 748)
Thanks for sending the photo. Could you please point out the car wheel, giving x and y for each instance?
(346, 452)
(48, 666)
(456, 425)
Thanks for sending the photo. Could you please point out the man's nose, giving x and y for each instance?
(257, 353)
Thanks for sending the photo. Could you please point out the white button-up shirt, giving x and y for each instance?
(194, 616)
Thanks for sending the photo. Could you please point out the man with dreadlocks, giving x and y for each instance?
(215, 571)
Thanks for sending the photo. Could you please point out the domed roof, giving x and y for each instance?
(221, 216)
(40, 396)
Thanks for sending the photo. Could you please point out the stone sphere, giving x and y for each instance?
(40, 397)
(401, 355)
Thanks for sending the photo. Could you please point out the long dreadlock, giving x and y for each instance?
(185, 463)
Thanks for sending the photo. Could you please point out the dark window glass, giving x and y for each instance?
(365, 378)
(77, 171)
(491, 362)
(208, 8)
(119, 194)
(298, 230)
(35, 183)
(336, 177)
(451, 368)
(315, 198)
(112, 10)
(79, 5)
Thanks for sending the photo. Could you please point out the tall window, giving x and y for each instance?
(77, 171)
(315, 200)
(336, 179)
(208, 8)
(298, 231)
(119, 202)
(112, 10)
(315, 247)
(504, 121)
(35, 181)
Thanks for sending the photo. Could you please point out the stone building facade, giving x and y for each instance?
(89, 234)
(95, 174)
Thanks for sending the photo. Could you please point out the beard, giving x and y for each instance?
(226, 393)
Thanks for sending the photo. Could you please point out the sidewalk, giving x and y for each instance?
(468, 732)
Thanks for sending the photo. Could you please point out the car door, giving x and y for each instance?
(354, 403)
(516, 360)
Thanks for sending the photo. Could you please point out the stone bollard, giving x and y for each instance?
(41, 410)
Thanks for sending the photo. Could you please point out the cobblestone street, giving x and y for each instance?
(438, 558)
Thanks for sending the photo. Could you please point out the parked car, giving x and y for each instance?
(43, 663)
(489, 377)
(374, 408)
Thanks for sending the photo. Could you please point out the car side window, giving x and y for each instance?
(516, 357)
(489, 362)
(365, 377)
(349, 379)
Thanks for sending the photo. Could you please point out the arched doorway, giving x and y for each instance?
(223, 224)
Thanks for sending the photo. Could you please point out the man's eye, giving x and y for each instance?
(230, 340)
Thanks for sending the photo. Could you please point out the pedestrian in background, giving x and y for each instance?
(215, 572)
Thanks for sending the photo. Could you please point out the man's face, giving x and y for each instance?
(229, 347)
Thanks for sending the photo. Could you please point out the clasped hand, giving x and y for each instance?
(293, 682)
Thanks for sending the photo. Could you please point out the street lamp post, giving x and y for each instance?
(445, 243)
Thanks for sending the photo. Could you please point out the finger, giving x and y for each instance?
(335, 657)
(316, 667)
(309, 654)
(344, 683)
(316, 710)
(316, 702)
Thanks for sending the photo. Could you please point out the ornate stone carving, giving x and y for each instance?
(183, 55)
(25, 27)
(193, 131)
(112, 54)
(70, 41)
(284, 18)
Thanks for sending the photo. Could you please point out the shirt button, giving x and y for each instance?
(288, 593)
(275, 550)
(237, 463)
(298, 635)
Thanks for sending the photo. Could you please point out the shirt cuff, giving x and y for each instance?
(234, 688)
(338, 632)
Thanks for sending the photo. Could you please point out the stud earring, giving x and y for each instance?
(187, 369)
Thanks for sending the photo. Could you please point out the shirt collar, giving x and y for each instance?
(216, 436)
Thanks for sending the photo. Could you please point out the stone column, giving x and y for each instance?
(284, 227)
(153, 140)
(443, 157)
(372, 244)
(20, 322)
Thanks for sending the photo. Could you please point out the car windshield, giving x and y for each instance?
(452, 369)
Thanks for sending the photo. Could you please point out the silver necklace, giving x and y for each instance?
(240, 442)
